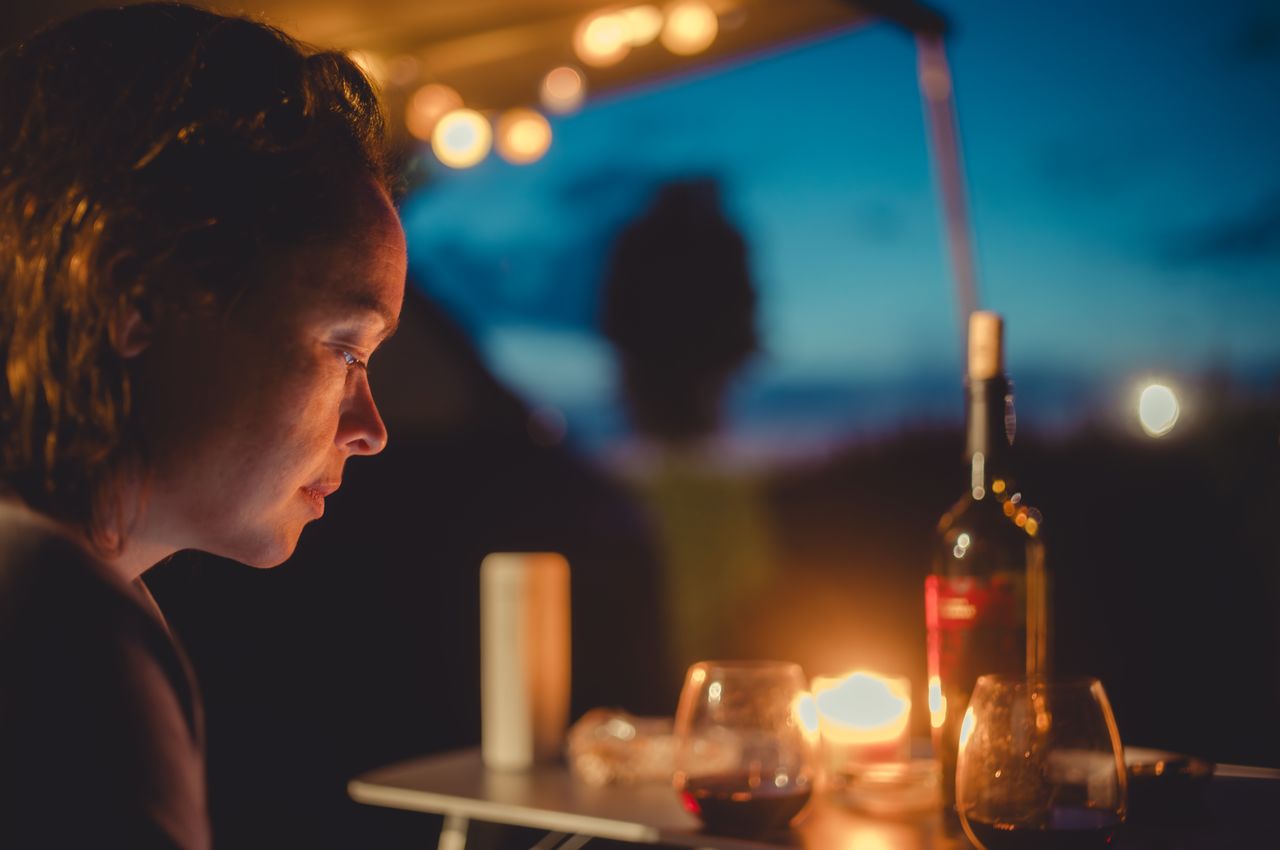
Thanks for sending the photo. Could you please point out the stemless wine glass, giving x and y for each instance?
(744, 753)
(1040, 765)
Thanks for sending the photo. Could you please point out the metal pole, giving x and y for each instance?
(936, 90)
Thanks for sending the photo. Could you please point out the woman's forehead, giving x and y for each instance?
(358, 274)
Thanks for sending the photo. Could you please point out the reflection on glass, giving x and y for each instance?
(1040, 765)
(744, 752)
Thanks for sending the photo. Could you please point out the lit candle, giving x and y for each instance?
(863, 719)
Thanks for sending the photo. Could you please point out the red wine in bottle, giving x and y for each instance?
(986, 601)
(728, 804)
(1067, 829)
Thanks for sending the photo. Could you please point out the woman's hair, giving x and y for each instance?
(152, 159)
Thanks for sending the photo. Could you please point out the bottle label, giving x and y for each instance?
(965, 602)
(976, 626)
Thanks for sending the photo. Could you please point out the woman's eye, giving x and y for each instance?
(351, 360)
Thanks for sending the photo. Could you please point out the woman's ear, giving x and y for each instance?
(130, 333)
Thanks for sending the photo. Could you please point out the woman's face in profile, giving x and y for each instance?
(250, 420)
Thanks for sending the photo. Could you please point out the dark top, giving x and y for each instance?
(101, 741)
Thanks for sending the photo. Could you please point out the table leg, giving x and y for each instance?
(453, 835)
(549, 841)
(575, 843)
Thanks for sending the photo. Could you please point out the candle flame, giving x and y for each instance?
(863, 708)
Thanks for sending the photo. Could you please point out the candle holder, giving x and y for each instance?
(864, 723)
(864, 720)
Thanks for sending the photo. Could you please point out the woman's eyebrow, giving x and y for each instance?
(360, 302)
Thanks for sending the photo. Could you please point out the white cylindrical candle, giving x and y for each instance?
(524, 658)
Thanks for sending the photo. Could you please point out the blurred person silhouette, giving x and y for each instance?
(679, 307)
(198, 255)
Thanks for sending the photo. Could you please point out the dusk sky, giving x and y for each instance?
(1124, 179)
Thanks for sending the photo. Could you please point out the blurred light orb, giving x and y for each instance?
(371, 64)
(643, 24)
(602, 39)
(427, 106)
(563, 89)
(403, 69)
(523, 136)
(691, 27)
(462, 138)
(1158, 410)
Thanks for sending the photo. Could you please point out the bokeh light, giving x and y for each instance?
(427, 106)
(602, 39)
(691, 27)
(1158, 410)
(373, 65)
(403, 69)
(643, 22)
(462, 138)
(563, 89)
(523, 136)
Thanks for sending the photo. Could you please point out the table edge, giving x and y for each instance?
(433, 803)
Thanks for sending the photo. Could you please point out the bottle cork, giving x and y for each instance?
(986, 349)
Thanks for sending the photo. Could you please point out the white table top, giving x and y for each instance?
(549, 798)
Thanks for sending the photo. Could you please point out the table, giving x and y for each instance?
(1237, 810)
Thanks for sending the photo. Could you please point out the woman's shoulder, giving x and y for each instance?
(39, 559)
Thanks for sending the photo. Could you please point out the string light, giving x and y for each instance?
(427, 106)
(523, 136)
(691, 27)
(461, 138)
(602, 39)
(563, 89)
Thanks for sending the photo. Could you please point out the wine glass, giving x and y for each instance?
(1040, 765)
(746, 733)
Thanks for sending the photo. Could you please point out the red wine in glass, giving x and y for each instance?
(727, 803)
(1066, 829)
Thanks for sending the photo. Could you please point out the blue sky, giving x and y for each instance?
(1125, 191)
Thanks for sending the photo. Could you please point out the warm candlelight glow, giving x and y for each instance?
(863, 720)
(805, 711)
(863, 708)
(966, 728)
(937, 703)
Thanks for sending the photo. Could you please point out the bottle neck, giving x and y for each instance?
(990, 430)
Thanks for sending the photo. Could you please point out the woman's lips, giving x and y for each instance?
(315, 494)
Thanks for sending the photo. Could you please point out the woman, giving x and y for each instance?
(198, 255)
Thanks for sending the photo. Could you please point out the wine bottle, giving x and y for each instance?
(986, 600)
